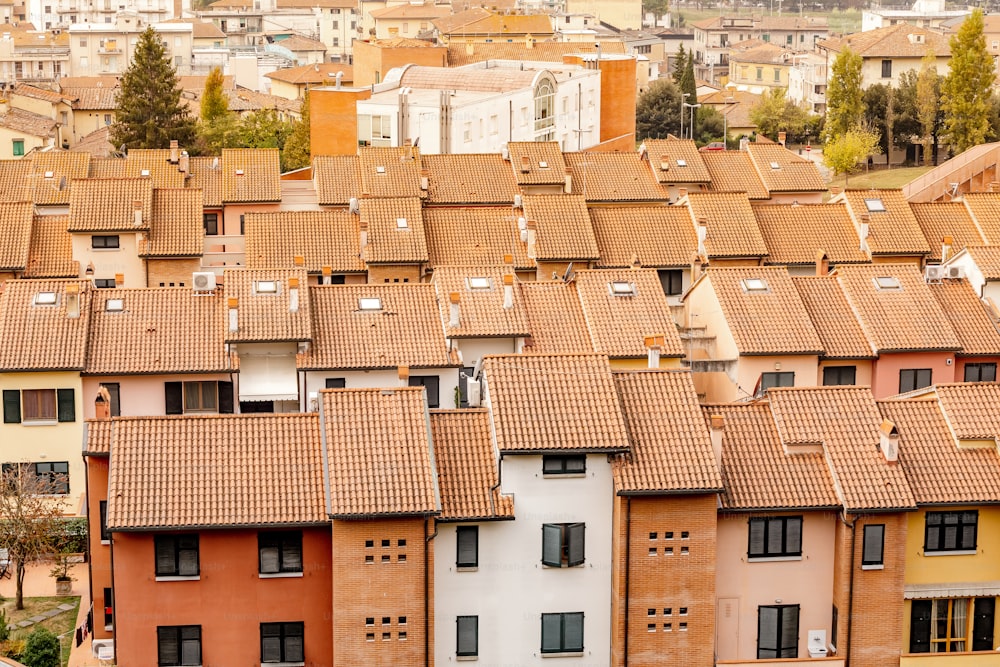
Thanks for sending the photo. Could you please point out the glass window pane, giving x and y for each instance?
(551, 632)
(573, 632)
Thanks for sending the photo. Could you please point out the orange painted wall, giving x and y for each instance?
(334, 117)
(370, 58)
(618, 93)
(100, 554)
(229, 601)
(885, 372)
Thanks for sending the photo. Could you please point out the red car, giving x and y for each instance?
(714, 146)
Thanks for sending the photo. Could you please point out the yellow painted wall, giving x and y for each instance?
(984, 565)
(949, 660)
(745, 73)
(108, 263)
(639, 364)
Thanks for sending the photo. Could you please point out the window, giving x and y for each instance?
(105, 283)
(778, 631)
(107, 119)
(775, 537)
(177, 556)
(875, 205)
(563, 544)
(282, 642)
(203, 396)
(562, 633)
(335, 383)
(948, 625)
(467, 540)
(981, 372)
(200, 396)
(430, 385)
(886, 69)
(114, 391)
(467, 644)
(11, 406)
(838, 375)
(545, 102)
(178, 645)
(280, 552)
(18, 147)
(887, 283)
(672, 281)
(873, 545)
(103, 242)
(951, 531)
(621, 288)
(39, 405)
(211, 223)
(782, 379)
(109, 609)
(54, 476)
(105, 535)
(564, 464)
(914, 378)
(373, 303)
(464, 376)
(760, 73)
(777, 72)
(754, 285)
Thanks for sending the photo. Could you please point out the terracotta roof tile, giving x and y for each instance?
(16, 182)
(473, 236)
(106, 204)
(670, 446)
(206, 174)
(389, 172)
(266, 317)
(794, 173)
(987, 260)
(43, 337)
(556, 319)
(895, 230)
(985, 210)
(757, 472)
(51, 254)
(50, 96)
(795, 234)
(479, 21)
(97, 437)
(683, 158)
(554, 403)
(940, 219)
(379, 450)
(469, 179)
(250, 175)
(887, 315)
(395, 231)
(29, 123)
(618, 177)
(109, 167)
(732, 228)
(656, 235)
(467, 468)
(96, 144)
(323, 238)
(337, 179)
(62, 165)
(90, 98)
(177, 229)
(481, 309)
(846, 421)
(832, 317)
(564, 231)
(313, 73)
(971, 321)
(154, 163)
(968, 408)
(891, 42)
(732, 171)
(405, 331)
(15, 230)
(459, 53)
(215, 471)
(169, 330)
(618, 324)
(772, 320)
(545, 164)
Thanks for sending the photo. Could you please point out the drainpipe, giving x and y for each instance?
(427, 594)
(850, 589)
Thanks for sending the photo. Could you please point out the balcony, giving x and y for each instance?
(222, 252)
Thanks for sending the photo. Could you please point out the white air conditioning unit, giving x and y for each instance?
(956, 272)
(473, 392)
(932, 273)
(103, 649)
(203, 281)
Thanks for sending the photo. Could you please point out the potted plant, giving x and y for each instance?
(60, 572)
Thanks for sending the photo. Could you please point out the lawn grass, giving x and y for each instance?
(60, 625)
(880, 178)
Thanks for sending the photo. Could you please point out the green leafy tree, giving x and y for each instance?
(658, 112)
(297, 153)
(680, 64)
(844, 98)
(927, 103)
(775, 113)
(966, 91)
(263, 129)
(905, 123)
(218, 127)
(214, 104)
(688, 86)
(880, 112)
(149, 112)
(711, 126)
(42, 649)
(848, 151)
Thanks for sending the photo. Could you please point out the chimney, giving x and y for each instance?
(453, 313)
(233, 314)
(834, 191)
(822, 263)
(425, 179)
(508, 291)
(404, 375)
(635, 263)
(569, 181)
(697, 262)
(863, 231)
(532, 233)
(946, 244)
(781, 138)
(299, 261)
(716, 431)
(327, 272)
(682, 192)
(293, 294)
(174, 152)
(702, 234)
(363, 225)
(525, 164)
(664, 163)
(73, 301)
(137, 213)
(654, 344)
(888, 441)
(102, 404)
(508, 260)
(119, 280)
(184, 164)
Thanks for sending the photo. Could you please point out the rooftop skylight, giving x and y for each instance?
(370, 303)
(621, 288)
(479, 282)
(887, 283)
(875, 205)
(267, 286)
(682, 163)
(401, 223)
(114, 305)
(45, 299)
(754, 285)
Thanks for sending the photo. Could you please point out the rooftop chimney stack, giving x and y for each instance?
(293, 295)
(568, 189)
(508, 291)
(137, 213)
(716, 431)
(404, 375)
(102, 404)
(946, 244)
(863, 231)
(781, 138)
(453, 313)
(363, 226)
(525, 164)
(702, 235)
(822, 263)
(174, 152)
(119, 280)
(73, 301)
(532, 234)
(327, 275)
(654, 345)
(233, 314)
(888, 437)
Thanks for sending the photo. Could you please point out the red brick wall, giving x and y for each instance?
(393, 273)
(334, 120)
(170, 272)
(877, 625)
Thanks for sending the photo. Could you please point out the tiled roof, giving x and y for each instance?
(214, 471)
(265, 317)
(794, 173)
(985, 210)
(15, 230)
(554, 403)
(556, 319)
(732, 171)
(895, 230)
(469, 179)
(832, 317)
(167, 330)
(420, 11)
(260, 177)
(61, 164)
(103, 98)
(481, 311)
(97, 437)
(322, 238)
(51, 254)
(389, 172)
(155, 164)
(480, 21)
(619, 177)
(50, 96)
(795, 234)
(391, 241)
(467, 53)
(200, 29)
(16, 182)
(940, 219)
(618, 324)
(891, 42)
(406, 331)
(379, 452)
(96, 144)
(300, 43)
(681, 156)
(888, 315)
(763, 53)
(467, 469)
(42, 337)
(987, 260)
(106, 204)
(670, 448)
(29, 123)
(177, 229)
(473, 236)
(757, 473)
(315, 73)
(846, 421)
(732, 229)
(206, 174)
(564, 231)
(655, 235)
(539, 153)
(974, 325)
(968, 407)
(337, 179)
(770, 321)
(938, 470)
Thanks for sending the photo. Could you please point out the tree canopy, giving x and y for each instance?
(776, 113)
(846, 153)
(927, 103)
(297, 152)
(966, 91)
(844, 98)
(658, 112)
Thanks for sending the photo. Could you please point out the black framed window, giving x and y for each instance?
(672, 281)
(178, 645)
(981, 372)
(282, 642)
(564, 464)
(839, 375)
(563, 544)
(778, 631)
(467, 636)
(951, 531)
(211, 223)
(467, 539)
(777, 379)
(335, 383)
(105, 283)
(103, 242)
(914, 378)
(950, 625)
(200, 396)
(105, 535)
(775, 537)
(873, 544)
(109, 609)
(886, 69)
(562, 633)
(115, 393)
(430, 384)
(54, 476)
(280, 552)
(177, 556)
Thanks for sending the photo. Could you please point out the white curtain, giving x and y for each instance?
(959, 623)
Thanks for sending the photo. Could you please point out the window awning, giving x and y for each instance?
(952, 590)
(268, 377)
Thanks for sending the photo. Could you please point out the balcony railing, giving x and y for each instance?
(222, 252)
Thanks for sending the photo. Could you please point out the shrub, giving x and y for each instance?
(42, 649)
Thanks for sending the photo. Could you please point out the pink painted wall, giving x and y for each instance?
(885, 373)
(141, 395)
(960, 363)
